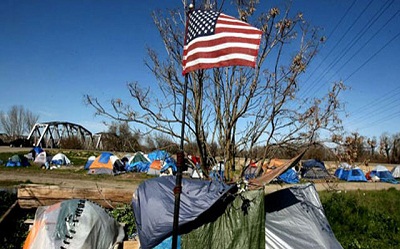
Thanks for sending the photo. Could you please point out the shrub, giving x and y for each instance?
(71, 143)
(124, 214)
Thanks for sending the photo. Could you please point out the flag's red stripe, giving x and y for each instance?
(234, 29)
(220, 41)
(222, 52)
(227, 63)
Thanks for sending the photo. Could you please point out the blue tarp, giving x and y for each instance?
(158, 155)
(37, 150)
(138, 167)
(289, 176)
(153, 205)
(169, 163)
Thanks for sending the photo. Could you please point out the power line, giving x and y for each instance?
(366, 43)
(312, 85)
(359, 50)
(380, 121)
(386, 96)
(377, 111)
(372, 56)
(330, 35)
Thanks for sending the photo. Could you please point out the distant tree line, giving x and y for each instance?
(17, 121)
(352, 148)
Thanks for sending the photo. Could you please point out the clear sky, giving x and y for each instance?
(54, 52)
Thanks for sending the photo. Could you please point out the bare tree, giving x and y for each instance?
(353, 145)
(30, 120)
(237, 107)
(385, 145)
(372, 144)
(395, 155)
(17, 121)
(120, 138)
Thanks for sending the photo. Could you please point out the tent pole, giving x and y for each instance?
(180, 164)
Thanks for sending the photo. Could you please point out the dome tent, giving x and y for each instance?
(17, 161)
(106, 163)
(383, 174)
(314, 169)
(74, 224)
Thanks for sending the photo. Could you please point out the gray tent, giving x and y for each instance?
(74, 224)
(295, 218)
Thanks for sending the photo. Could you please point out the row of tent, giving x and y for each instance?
(310, 169)
(314, 169)
(38, 156)
(156, 163)
(160, 162)
(378, 173)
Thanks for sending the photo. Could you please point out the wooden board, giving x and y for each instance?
(268, 177)
(34, 195)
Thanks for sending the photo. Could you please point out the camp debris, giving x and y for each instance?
(74, 224)
(268, 176)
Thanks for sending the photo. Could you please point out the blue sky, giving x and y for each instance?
(54, 52)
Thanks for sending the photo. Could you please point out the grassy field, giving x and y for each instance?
(364, 219)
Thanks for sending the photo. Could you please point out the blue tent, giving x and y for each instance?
(356, 175)
(89, 162)
(383, 174)
(289, 176)
(351, 175)
(342, 173)
(17, 161)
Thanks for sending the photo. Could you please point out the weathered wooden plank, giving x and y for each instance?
(33, 195)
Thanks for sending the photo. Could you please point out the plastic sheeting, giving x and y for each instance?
(295, 218)
(240, 226)
(289, 176)
(153, 205)
(74, 224)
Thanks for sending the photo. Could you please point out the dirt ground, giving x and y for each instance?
(132, 180)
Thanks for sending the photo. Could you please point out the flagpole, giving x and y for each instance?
(180, 160)
(180, 164)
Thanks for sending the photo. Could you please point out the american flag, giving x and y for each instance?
(214, 39)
